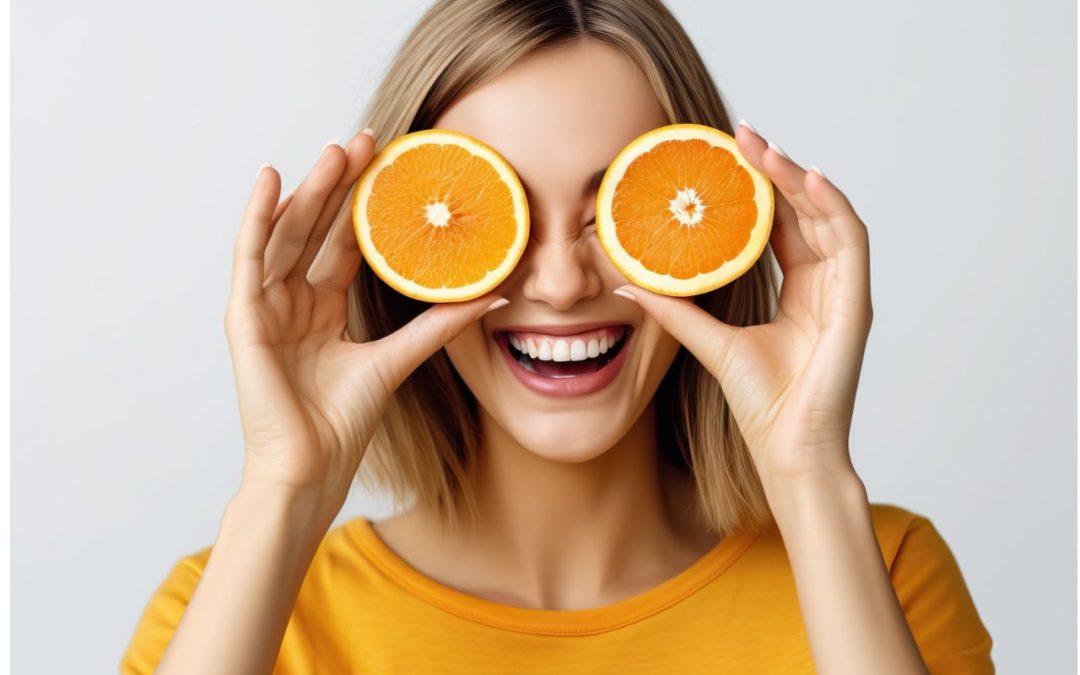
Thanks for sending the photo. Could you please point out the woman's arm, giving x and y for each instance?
(790, 385)
(236, 618)
(853, 619)
(310, 402)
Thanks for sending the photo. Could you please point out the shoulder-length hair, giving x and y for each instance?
(428, 439)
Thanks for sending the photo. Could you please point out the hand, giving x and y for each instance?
(310, 398)
(791, 383)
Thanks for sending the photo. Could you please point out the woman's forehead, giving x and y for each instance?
(559, 114)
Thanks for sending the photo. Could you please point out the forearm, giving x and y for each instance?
(853, 619)
(237, 615)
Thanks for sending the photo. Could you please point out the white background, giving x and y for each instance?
(137, 130)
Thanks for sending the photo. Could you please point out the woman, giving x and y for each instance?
(698, 513)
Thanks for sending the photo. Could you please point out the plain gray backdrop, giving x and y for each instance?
(137, 129)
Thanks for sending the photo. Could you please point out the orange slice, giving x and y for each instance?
(681, 212)
(440, 216)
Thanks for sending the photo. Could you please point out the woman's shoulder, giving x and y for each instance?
(931, 588)
(929, 583)
(893, 524)
(338, 567)
(340, 541)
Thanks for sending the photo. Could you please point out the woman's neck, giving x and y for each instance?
(566, 535)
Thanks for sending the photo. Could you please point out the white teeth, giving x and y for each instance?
(560, 351)
(578, 351)
(564, 350)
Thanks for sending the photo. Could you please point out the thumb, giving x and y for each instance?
(413, 343)
(705, 336)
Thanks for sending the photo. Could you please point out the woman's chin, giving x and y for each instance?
(580, 440)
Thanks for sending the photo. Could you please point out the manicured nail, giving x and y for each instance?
(749, 126)
(778, 149)
(332, 141)
(264, 165)
(369, 131)
(621, 290)
(501, 302)
(817, 171)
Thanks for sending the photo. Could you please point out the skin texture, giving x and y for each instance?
(568, 520)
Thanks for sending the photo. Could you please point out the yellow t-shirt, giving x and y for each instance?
(362, 609)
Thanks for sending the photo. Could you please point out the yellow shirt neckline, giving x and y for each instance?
(551, 621)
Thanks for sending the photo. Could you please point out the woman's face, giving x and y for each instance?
(559, 117)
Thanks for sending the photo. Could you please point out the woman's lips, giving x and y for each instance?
(579, 385)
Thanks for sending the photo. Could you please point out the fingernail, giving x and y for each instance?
(778, 149)
(332, 141)
(817, 171)
(621, 290)
(369, 131)
(264, 165)
(497, 304)
(749, 126)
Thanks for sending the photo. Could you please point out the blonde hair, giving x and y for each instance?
(429, 436)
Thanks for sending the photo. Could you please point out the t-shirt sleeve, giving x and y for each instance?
(161, 616)
(939, 608)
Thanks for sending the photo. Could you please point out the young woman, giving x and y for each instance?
(699, 513)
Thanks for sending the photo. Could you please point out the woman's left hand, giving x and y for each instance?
(790, 383)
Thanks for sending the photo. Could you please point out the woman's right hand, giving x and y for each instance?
(310, 398)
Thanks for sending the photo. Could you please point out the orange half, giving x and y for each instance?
(440, 216)
(681, 212)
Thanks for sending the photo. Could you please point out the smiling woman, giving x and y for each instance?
(596, 99)
(591, 477)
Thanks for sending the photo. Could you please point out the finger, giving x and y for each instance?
(789, 180)
(338, 261)
(846, 241)
(845, 223)
(357, 153)
(786, 238)
(282, 205)
(255, 226)
(781, 169)
(792, 243)
(705, 336)
(291, 232)
(405, 349)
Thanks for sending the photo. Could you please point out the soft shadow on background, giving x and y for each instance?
(137, 129)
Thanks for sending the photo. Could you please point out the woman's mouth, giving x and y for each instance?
(566, 364)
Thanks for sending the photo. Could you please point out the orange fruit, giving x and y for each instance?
(440, 216)
(681, 212)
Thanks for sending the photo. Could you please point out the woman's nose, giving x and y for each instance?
(561, 272)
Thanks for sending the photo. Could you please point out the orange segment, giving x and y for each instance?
(440, 216)
(681, 212)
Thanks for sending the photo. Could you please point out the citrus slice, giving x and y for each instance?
(681, 212)
(440, 216)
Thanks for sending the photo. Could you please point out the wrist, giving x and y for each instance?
(797, 502)
(305, 515)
